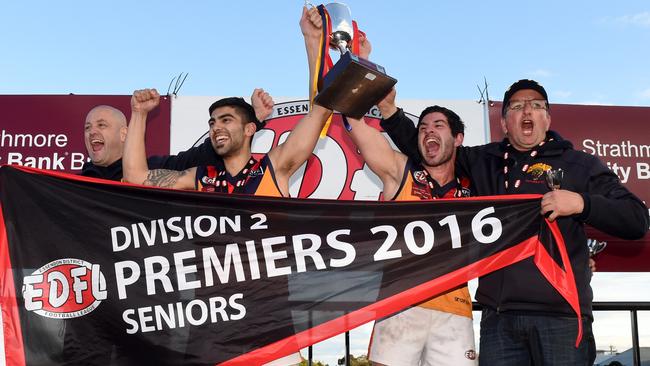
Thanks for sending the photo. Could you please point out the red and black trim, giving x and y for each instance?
(325, 63)
(531, 247)
(11, 325)
(270, 328)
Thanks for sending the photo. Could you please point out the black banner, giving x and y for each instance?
(100, 273)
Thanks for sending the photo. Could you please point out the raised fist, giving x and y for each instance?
(311, 23)
(262, 103)
(364, 46)
(144, 100)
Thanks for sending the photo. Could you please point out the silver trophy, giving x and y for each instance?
(595, 246)
(354, 84)
(554, 178)
(342, 29)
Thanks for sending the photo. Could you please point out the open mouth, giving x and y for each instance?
(527, 127)
(96, 144)
(432, 145)
(220, 140)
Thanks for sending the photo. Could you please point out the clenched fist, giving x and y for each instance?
(144, 100)
(262, 103)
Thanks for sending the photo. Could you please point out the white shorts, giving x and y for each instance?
(425, 337)
(290, 360)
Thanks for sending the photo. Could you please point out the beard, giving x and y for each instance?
(444, 155)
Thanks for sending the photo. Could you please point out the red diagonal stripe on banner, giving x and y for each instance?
(561, 279)
(13, 335)
(387, 306)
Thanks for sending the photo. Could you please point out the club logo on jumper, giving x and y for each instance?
(210, 181)
(537, 170)
(64, 288)
(420, 177)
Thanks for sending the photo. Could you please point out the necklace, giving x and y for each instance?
(241, 178)
(436, 190)
(533, 152)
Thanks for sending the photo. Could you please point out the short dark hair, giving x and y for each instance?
(245, 110)
(455, 123)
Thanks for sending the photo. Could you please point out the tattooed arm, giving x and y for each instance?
(134, 159)
(170, 178)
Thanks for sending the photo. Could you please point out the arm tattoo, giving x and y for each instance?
(163, 178)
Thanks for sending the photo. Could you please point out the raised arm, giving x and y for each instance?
(300, 143)
(204, 154)
(311, 27)
(262, 103)
(387, 163)
(399, 127)
(289, 156)
(134, 158)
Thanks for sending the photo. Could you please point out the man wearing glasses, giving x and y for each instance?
(526, 321)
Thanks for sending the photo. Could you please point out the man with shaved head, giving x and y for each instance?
(104, 135)
(105, 131)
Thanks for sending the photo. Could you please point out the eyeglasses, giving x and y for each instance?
(518, 105)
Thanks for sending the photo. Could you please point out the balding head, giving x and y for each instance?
(107, 110)
(104, 134)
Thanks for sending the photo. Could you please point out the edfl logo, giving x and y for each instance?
(64, 288)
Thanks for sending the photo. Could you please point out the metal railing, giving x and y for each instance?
(632, 307)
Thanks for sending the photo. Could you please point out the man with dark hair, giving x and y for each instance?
(455, 123)
(438, 331)
(440, 132)
(243, 108)
(232, 126)
(105, 132)
(525, 321)
(231, 130)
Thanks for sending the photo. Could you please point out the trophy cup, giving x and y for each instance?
(353, 85)
(554, 178)
(554, 182)
(595, 246)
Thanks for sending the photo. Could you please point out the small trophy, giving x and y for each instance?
(353, 85)
(554, 178)
(595, 246)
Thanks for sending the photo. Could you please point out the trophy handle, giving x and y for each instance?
(343, 47)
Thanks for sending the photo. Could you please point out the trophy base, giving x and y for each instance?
(353, 86)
